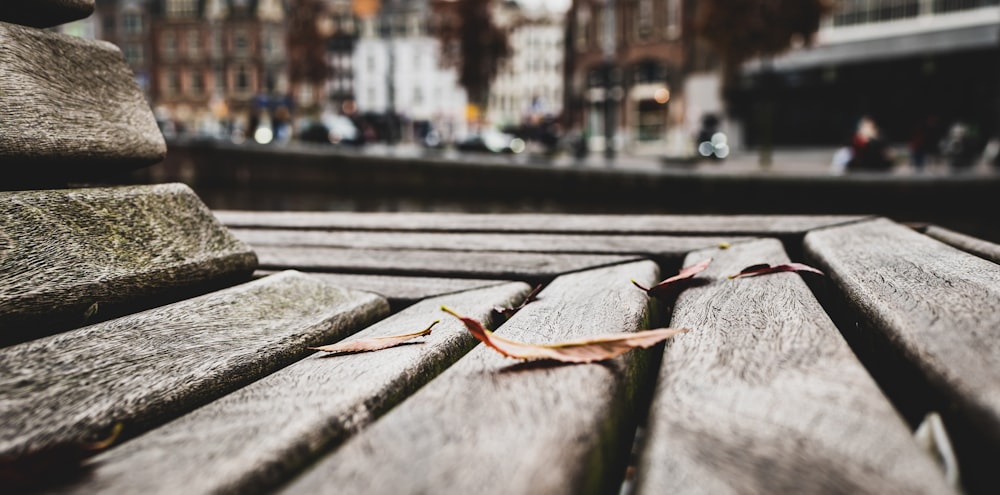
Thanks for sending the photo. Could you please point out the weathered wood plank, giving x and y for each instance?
(144, 368)
(664, 248)
(401, 291)
(484, 264)
(44, 13)
(259, 436)
(936, 310)
(972, 245)
(763, 395)
(748, 225)
(72, 256)
(70, 110)
(491, 425)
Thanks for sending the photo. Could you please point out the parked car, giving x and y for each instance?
(330, 129)
(492, 141)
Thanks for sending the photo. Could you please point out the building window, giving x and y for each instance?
(582, 29)
(168, 44)
(132, 23)
(197, 82)
(219, 77)
(272, 44)
(172, 85)
(193, 43)
(673, 30)
(241, 45)
(217, 43)
(133, 53)
(652, 120)
(270, 81)
(644, 20)
(181, 8)
(242, 79)
(418, 96)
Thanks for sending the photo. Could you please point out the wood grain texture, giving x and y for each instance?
(401, 291)
(667, 248)
(144, 368)
(764, 396)
(938, 306)
(260, 435)
(70, 110)
(490, 424)
(532, 267)
(972, 245)
(751, 225)
(72, 256)
(44, 13)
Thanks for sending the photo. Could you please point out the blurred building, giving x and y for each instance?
(217, 61)
(344, 33)
(398, 74)
(911, 65)
(529, 84)
(126, 23)
(627, 65)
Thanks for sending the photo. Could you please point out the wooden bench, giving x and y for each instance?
(136, 310)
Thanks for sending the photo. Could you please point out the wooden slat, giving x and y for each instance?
(933, 307)
(402, 291)
(141, 369)
(72, 256)
(259, 436)
(484, 264)
(972, 245)
(752, 225)
(491, 425)
(763, 395)
(668, 248)
(44, 13)
(70, 110)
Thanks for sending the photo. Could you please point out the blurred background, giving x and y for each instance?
(886, 107)
(911, 86)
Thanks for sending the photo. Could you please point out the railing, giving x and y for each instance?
(854, 12)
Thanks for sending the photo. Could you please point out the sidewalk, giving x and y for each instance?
(784, 161)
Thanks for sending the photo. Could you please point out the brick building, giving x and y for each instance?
(627, 62)
(217, 60)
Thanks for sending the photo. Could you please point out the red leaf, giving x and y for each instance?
(764, 269)
(579, 351)
(374, 343)
(672, 286)
(509, 311)
(50, 465)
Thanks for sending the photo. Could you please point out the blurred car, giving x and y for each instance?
(330, 129)
(491, 141)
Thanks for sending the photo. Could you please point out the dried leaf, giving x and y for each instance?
(374, 343)
(52, 464)
(764, 269)
(509, 311)
(672, 286)
(580, 351)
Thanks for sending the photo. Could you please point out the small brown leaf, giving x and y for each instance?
(764, 269)
(374, 343)
(509, 311)
(580, 351)
(672, 286)
(50, 465)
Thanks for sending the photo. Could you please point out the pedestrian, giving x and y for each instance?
(868, 150)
